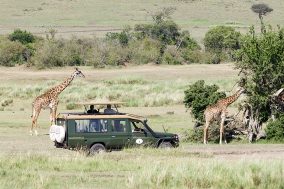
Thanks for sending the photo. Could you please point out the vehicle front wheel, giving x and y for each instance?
(166, 145)
(97, 149)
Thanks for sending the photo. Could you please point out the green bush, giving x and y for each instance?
(261, 62)
(48, 54)
(77, 52)
(162, 29)
(191, 56)
(144, 51)
(123, 37)
(222, 39)
(172, 56)
(198, 96)
(187, 42)
(109, 53)
(11, 53)
(275, 130)
(63, 52)
(23, 37)
(195, 135)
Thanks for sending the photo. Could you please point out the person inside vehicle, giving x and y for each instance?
(92, 110)
(136, 128)
(109, 110)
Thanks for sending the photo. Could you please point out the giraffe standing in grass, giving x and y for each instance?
(50, 100)
(218, 111)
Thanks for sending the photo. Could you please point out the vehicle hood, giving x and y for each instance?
(163, 134)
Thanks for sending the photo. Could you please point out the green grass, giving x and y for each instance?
(134, 91)
(154, 92)
(33, 162)
(94, 15)
(138, 168)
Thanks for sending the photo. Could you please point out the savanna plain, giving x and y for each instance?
(155, 92)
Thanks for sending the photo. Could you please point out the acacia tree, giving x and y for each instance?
(262, 10)
(261, 61)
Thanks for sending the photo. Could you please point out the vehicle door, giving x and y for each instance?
(96, 132)
(75, 131)
(140, 135)
(89, 131)
(119, 132)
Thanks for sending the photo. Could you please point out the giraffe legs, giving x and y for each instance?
(222, 129)
(35, 115)
(53, 112)
(53, 115)
(205, 133)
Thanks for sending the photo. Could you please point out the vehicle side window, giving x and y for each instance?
(118, 125)
(137, 126)
(91, 126)
(82, 126)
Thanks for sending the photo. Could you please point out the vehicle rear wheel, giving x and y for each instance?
(97, 149)
(166, 145)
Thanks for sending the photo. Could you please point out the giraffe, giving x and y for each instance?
(217, 111)
(50, 100)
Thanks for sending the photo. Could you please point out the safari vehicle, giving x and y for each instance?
(106, 131)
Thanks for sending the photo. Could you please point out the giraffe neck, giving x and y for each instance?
(58, 89)
(230, 99)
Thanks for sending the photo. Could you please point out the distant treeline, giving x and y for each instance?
(160, 42)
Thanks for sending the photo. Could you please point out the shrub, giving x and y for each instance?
(23, 37)
(172, 56)
(222, 39)
(11, 53)
(109, 53)
(162, 29)
(186, 41)
(198, 56)
(48, 54)
(191, 56)
(275, 130)
(77, 52)
(198, 96)
(6, 102)
(144, 51)
(196, 134)
(63, 52)
(123, 37)
(261, 62)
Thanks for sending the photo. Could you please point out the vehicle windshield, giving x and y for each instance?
(138, 126)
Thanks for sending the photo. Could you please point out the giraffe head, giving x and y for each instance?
(78, 73)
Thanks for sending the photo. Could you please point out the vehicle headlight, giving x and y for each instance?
(175, 137)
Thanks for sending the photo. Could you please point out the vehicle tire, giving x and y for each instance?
(97, 149)
(166, 145)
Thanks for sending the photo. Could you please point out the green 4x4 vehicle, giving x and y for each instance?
(106, 131)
